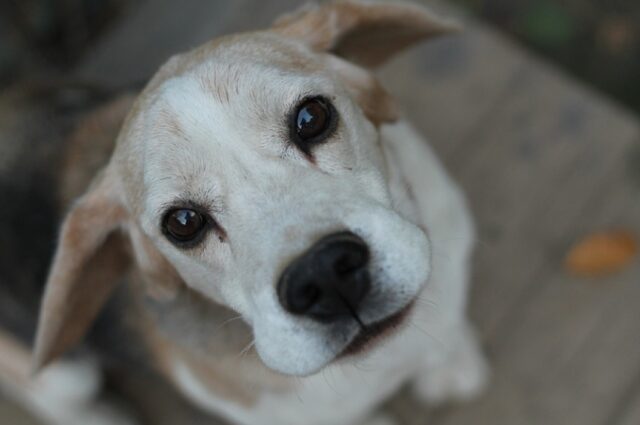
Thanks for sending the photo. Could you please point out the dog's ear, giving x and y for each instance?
(367, 33)
(90, 260)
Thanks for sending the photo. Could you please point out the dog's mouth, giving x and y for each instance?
(373, 333)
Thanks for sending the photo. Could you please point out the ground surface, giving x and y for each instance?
(543, 160)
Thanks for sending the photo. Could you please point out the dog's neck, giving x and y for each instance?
(190, 337)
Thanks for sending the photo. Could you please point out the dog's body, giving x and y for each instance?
(205, 140)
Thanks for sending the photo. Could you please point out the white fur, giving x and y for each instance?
(66, 394)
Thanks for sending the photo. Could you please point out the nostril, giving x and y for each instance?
(299, 295)
(304, 296)
(350, 262)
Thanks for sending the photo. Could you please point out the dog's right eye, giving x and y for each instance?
(184, 226)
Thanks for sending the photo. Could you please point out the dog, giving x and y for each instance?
(285, 248)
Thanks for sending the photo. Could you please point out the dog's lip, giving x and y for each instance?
(375, 332)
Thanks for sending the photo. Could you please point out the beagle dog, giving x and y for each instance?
(285, 248)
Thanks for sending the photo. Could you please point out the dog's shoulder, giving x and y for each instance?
(442, 204)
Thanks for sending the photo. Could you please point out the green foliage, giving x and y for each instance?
(546, 23)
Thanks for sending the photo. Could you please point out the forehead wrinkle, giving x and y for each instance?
(167, 122)
(256, 101)
(205, 198)
(220, 76)
(174, 171)
(220, 81)
(187, 187)
(267, 49)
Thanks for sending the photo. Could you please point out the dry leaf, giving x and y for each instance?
(617, 33)
(601, 253)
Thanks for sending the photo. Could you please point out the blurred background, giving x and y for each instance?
(596, 41)
(533, 108)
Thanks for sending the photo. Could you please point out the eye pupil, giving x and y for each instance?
(313, 122)
(184, 224)
(312, 119)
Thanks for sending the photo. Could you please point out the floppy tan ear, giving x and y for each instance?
(367, 33)
(89, 262)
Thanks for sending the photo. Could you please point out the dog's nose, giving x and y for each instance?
(329, 281)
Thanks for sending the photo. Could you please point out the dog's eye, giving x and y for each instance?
(313, 122)
(183, 225)
(312, 118)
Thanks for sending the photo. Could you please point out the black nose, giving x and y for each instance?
(329, 281)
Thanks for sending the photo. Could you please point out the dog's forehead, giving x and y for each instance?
(229, 98)
(248, 51)
(246, 77)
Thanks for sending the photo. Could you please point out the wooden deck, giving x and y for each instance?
(543, 160)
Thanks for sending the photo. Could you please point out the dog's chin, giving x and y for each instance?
(366, 339)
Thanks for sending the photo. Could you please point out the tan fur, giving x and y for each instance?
(88, 265)
(171, 125)
(14, 361)
(219, 377)
(90, 145)
(376, 103)
(367, 34)
(160, 280)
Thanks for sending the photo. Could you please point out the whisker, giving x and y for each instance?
(326, 380)
(437, 340)
(246, 349)
(424, 301)
(298, 384)
(226, 322)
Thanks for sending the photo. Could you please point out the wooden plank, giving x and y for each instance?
(525, 175)
(571, 350)
(568, 361)
(447, 87)
(630, 413)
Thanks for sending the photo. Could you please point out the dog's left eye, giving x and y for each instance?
(314, 120)
(184, 226)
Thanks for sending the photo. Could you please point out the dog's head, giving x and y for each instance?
(250, 171)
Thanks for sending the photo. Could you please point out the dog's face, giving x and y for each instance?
(252, 168)
(240, 165)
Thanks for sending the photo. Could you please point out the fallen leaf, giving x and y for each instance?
(601, 254)
(617, 34)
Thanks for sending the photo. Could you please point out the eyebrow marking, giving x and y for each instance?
(220, 82)
(169, 122)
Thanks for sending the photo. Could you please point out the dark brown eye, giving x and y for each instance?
(313, 122)
(183, 225)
